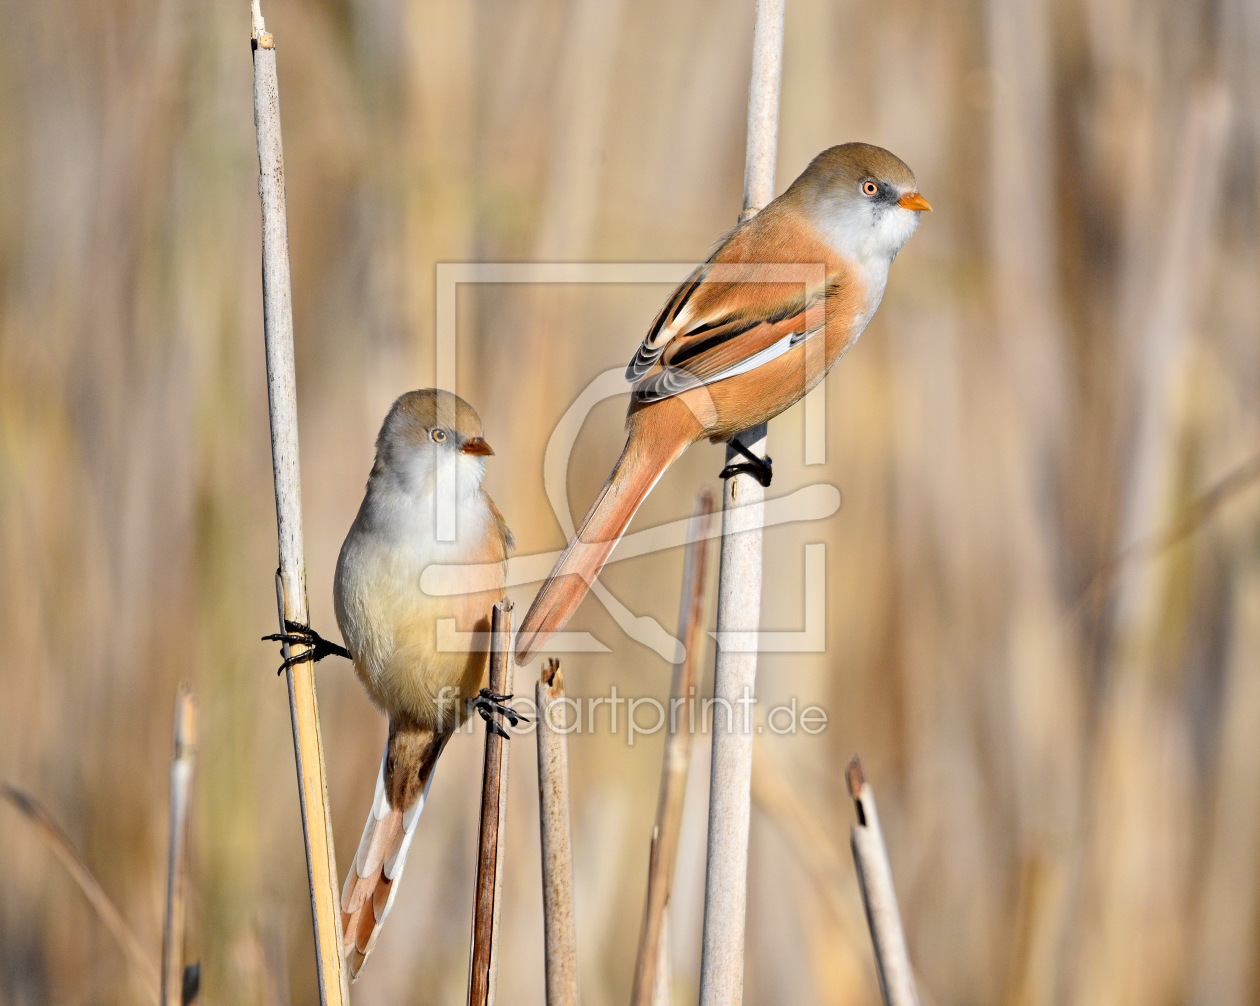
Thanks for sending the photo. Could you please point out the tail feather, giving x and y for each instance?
(370, 885)
(657, 437)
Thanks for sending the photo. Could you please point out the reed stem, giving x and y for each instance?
(874, 872)
(557, 838)
(308, 748)
(651, 964)
(484, 959)
(739, 597)
(182, 765)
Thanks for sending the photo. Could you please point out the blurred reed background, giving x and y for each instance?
(1067, 358)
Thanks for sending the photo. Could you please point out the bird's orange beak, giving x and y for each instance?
(913, 201)
(476, 445)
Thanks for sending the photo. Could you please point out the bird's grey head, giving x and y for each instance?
(864, 199)
(430, 435)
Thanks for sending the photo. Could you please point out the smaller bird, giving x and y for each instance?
(744, 337)
(430, 447)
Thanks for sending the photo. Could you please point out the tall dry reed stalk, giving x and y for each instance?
(308, 748)
(483, 963)
(182, 765)
(739, 595)
(874, 872)
(651, 970)
(556, 839)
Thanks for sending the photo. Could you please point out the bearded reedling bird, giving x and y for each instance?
(429, 444)
(744, 337)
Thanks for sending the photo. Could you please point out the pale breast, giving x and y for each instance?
(411, 650)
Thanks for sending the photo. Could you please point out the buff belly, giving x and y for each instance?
(412, 651)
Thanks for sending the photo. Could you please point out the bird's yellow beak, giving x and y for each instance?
(913, 201)
(476, 445)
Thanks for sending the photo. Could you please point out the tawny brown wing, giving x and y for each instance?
(698, 298)
(711, 350)
(664, 327)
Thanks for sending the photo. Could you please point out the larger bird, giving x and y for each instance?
(747, 334)
(416, 654)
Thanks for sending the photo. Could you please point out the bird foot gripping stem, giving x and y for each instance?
(490, 704)
(317, 647)
(759, 468)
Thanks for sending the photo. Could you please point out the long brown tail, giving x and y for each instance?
(401, 789)
(658, 435)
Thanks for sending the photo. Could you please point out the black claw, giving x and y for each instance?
(756, 471)
(317, 647)
(287, 637)
(490, 704)
(494, 728)
(293, 659)
(759, 468)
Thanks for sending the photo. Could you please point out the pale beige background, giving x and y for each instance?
(1066, 358)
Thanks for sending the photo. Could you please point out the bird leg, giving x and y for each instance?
(317, 647)
(759, 468)
(490, 704)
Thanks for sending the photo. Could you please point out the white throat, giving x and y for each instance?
(868, 233)
(421, 473)
(431, 499)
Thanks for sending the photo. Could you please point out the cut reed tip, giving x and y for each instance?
(551, 676)
(856, 779)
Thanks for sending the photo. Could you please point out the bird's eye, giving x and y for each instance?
(438, 436)
(870, 188)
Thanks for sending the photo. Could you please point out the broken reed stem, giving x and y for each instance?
(308, 748)
(182, 765)
(874, 872)
(559, 933)
(484, 959)
(739, 597)
(35, 812)
(651, 964)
